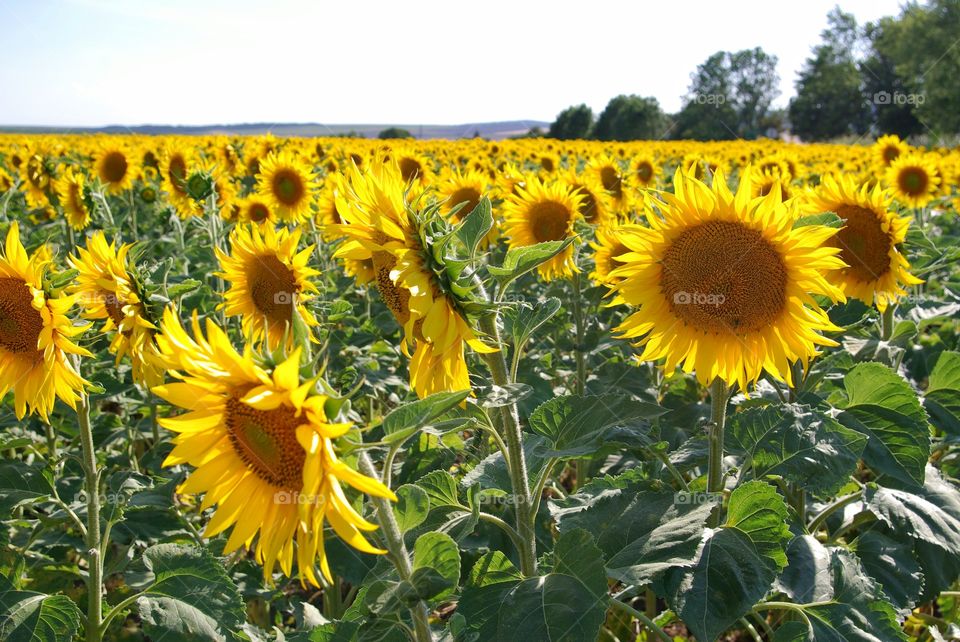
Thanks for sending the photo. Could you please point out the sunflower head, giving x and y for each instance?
(115, 168)
(913, 179)
(74, 195)
(288, 184)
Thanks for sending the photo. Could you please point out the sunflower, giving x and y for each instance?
(913, 180)
(888, 149)
(255, 209)
(722, 283)
(263, 450)
(608, 171)
(36, 177)
(594, 206)
(115, 168)
(413, 167)
(607, 249)
(288, 184)
(876, 270)
(646, 170)
(380, 226)
(269, 280)
(174, 168)
(35, 334)
(763, 183)
(543, 212)
(72, 192)
(464, 188)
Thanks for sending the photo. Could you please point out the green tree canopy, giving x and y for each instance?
(630, 118)
(572, 122)
(394, 132)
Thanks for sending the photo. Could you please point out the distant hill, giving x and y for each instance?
(494, 131)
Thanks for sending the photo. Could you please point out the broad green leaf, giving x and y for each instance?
(191, 597)
(21, 484)
(798, 443)
(475, 225)
(578, 425)
(419, 413)
(491, 472)
(914, 516)
(881, 405)
(520, 260)
(807, 576)
(493, 568)
(436, 566)
(185, 286)
(26, 616)
(412, 507)
(757, 510)
(441, 488)
(942, 399)
(893, 565)
(522, 321)
(829, 219)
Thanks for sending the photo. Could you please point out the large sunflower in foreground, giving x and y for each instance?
(288, 184)
(269, 279)
(72, 192)
(380, 226)
(913, 180)
(722, 284)
(876, 270)
(35, 334)
(107, 291)
(541, 212)
(263, 450)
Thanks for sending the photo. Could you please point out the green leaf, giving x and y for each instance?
(520, 260)
(643, 528)
(567, 604)
(412, 507)
(419, 413)
(21, 484)
(798, 443)
(493, 568)
(491, 472)
(828, 219)
(185, 286)
(441, 488)
(884, 407)
(757, 509)
(892, 564)
(191, 597)
(914, 516)
(436, 566)
(475, 226)
(578, 425)
(942, 399)
(26, 616)
(522, 321)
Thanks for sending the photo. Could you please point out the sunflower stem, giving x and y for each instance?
(647, 622)
(516, 459)
(718, 418)
(91, 474)
(396, 548)
(581, 466)
(886, 327)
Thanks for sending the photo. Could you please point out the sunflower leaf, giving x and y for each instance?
(475, 226)
(829, 219)
(419, 413)
(520, 260)
(21, 484)
(26, 616)
(942, 399)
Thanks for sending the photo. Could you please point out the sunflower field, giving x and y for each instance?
(328, 389)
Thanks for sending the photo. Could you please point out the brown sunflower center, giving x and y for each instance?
(588, 206)
(468, 195)
(113, 167)
(273, 288)
(410, 168)
(645, 172)
(547, 163)
(177, 173)
(266, 441)
(113, 307)
(864, 246)
(20, 323)
(258, 212)
(612, 263)
(890, 153)
(724, 277)
(288, 186)
(397, 299)
(549, 221)
(75, 197)
(610, 178)
(913, 181)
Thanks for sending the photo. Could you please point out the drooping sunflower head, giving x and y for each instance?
(722, 284)
(876, 271)
(542, 212)
(287, 182)
(74, 196)
(269, 282)
(263, 449)
(36, 335)
(115, 167)
(913, 180)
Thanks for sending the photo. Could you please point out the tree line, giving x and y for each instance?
(897, 75)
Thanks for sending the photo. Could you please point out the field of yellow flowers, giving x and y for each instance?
(344, 389)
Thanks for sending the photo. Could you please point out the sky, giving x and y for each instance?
(193, 62)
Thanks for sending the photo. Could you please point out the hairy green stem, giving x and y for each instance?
(91, 474)
(822, 516)
(886, 328)
(718, 419)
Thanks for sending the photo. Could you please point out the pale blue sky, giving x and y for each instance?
(98, 62)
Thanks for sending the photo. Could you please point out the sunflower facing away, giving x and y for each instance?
(722, 284)
(35, 334)
(381, 227)
(107, 291)
(288, 184)
(541, 212)
(269, 280)
(72, 192)
(263, 450)
(913, 180)
(876, 270)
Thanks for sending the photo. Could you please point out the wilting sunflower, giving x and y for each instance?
(876, 271)
(380, 226)
(263, 450)
(607, 248)
(543, 212)
(106, 290)
(913, 180)
(888, 149)
(288, 184)
(269, 280)
(35, 334)
(594, 205)
(722, 284)
(72, 192)
(115, 168)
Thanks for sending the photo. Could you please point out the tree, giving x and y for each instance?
(394, 132)
(572, 123)
(830, 100)
(729, 97)
(892, 103)
(630, 118)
